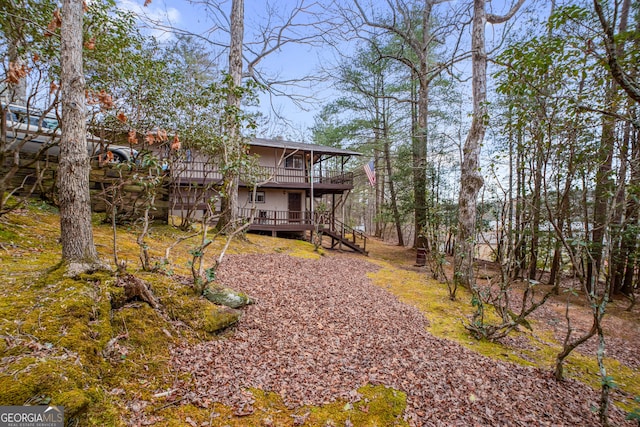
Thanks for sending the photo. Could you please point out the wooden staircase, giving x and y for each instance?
(341, 233)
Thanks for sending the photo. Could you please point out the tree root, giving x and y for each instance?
(134, 289)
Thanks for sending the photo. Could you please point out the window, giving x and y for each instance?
(259, 197)
(293, 161)
(13, 117)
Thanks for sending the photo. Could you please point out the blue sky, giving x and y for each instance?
(291, 62)
(294, 61)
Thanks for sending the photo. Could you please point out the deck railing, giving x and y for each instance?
(277, 218)
(272, 218)
(196, 171)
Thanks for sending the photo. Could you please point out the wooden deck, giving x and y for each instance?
(292, 221)
(270, 220)
(322, 181)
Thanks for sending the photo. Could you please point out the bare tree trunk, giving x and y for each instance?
(76, 231)
(419, 157)
(379, 187)
(617, 261)
(535, 206)
(392, 189)
(605, 379)
(562, 215)
(569, 346)
(379, 183)
(602, 192)
(630, 238)
(379, 191)
(511, 238)
(229, 197)
(471, 180)
(519, 240)
(420, 139)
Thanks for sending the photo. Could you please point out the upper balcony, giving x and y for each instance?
(202, 173)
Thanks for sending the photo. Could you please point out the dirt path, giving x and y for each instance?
(320, 330)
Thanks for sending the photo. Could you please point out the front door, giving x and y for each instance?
(295, 207)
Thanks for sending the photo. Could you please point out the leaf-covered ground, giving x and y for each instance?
(372, 336)
(321, 329)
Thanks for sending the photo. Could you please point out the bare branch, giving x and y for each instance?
(499, 19)
(631, 87)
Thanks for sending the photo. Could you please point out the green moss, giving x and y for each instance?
(74, 402)
(304, 250)
(17, 385)
(41, 376)
(176, 416)
(57, 330)
(143, 329)
(378, 406)
(218, 318)
(103, 410)
(7, 235)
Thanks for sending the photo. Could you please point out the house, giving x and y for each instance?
(301, 187)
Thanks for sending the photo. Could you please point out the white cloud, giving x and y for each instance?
(156, 18)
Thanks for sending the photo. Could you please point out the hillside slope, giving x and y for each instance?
(338, 339)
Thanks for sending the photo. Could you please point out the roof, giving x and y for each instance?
(291, 145)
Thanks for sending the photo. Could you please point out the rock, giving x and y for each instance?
(219, 318)
(227, 296)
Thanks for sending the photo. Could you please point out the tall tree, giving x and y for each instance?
(233, 149)
(78, 249)
(370, 85)
(471, 180)
(623, 70)
(605, 185)
(412, 25)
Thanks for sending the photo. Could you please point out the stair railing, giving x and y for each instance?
(345, 232)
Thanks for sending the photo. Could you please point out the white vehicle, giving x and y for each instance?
(29, 131)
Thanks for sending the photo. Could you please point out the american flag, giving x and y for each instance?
(371, 172)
